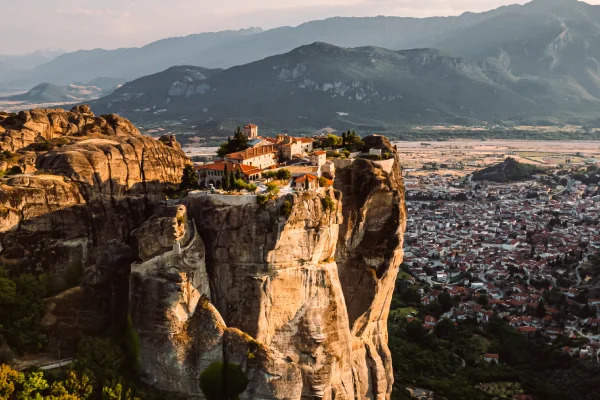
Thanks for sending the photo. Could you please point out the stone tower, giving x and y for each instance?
(251, 131)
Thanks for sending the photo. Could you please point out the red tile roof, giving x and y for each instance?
(252, 152)
(220, 166)
(302, 179)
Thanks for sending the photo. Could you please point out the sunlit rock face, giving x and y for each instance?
(300, 300)
(87, 183)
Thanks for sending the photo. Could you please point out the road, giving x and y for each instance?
(59, 364)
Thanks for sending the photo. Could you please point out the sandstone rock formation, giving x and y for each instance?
(73, 209)
(299, 300)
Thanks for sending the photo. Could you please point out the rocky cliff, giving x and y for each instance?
(291, 295)
(298, 290)
(82, 185)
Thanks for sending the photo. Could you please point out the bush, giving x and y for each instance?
(328, 204)
(284, 175)
(240, 184)
(223, 381)
(323, 181)
(262, 199)
(269, 174)
(273, 189)
(286, 209)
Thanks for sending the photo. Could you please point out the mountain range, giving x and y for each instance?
(534, 63)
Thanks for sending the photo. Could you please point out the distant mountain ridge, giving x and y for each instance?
(229, 48)
(318, 85)
(47, 93)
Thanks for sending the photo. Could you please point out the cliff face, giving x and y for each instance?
(299, 300)
(71, 213)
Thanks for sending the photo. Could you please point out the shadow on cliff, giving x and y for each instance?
(85, 251)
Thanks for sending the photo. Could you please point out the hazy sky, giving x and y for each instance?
(75, 24)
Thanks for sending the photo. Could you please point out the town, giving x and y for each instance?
(524, 251)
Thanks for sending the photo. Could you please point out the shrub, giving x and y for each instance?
(328, 203)
(223, 381)
(286, 209)
(262, 199)
(273, 189)
(323, 181)
(284, 175)
(240, 184)
(269, 174)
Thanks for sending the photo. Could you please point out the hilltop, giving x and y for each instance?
(510, 170)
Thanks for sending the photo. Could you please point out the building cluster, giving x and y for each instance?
(500, 247)
(296, 154)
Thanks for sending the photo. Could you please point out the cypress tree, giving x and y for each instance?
(231, 180)
(225, 178)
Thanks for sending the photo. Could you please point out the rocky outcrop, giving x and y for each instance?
(20, 130)
(71, 215)
(299, 299)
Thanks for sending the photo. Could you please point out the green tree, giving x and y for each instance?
(189, 179)
(8, 378)
(223, 381)
(284, 175)
(20, 319)
(445, 329)
(483, 300)
(79, 387)
(238, 143)
(225, 180)
(231, 180)
(32, 386)
(445, 301)
(415, 331)
(117, 391)
(540, 311)
(99, 359)
(333, 141)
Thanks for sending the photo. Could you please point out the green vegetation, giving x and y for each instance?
(223, 381)
(328, 203)
(352, 142)
(239, 142)
(240, 184)
(189, 179)
(281, 174)
(286, 208)
(21, 310)
(101, 371)
(449, 360)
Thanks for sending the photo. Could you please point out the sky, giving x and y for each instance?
(86, 24)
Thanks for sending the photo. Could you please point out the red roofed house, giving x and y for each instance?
(489, 357)
(262, 157)
(430, 321)
(212, 174)
(300, 182)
